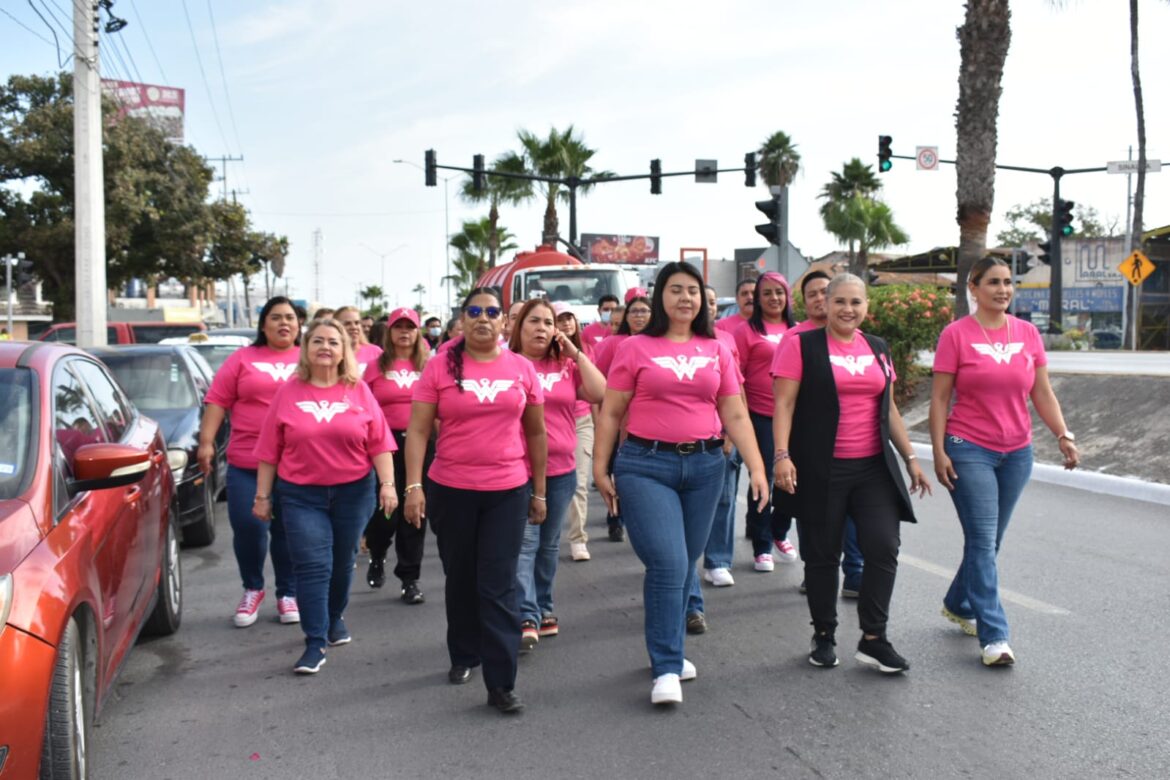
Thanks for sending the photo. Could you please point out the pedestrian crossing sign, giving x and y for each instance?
(1136, 268)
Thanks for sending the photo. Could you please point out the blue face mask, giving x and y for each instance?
(606, 316)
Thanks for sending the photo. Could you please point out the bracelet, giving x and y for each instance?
(414, 486)
(388, 483)
(540, 498)
(781, 455)
(262, 498)
(909, 458)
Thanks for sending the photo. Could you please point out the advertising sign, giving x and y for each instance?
(161, 106)
(607, 248)
(1074, 300)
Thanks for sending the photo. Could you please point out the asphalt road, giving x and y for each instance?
(1088, 598)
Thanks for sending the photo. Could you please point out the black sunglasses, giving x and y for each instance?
(493, 312)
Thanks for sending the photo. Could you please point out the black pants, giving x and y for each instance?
(479, 543)
(863, 489)
(613, 520)
(408, 540)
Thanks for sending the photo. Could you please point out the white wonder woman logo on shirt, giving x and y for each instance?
(684, 367)
(280, 372)
(323, 410)
(999, 352)
(855, 365)
(549, 381)
(487, 389)
(402, 377)
(774, 337)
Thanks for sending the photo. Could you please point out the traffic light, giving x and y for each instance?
(477, 172)
(884, 153)
(1044, 257)
(1064, 216)
(749, 169)
(770, 229)
(431, 173)
(656, 177)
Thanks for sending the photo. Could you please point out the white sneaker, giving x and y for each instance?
(579, 551)
(666, 690)
(764, 562)
(998, 654)
(720, 578)
(785, 551)
(689, 672)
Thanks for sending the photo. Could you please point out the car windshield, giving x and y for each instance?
(153, 380)
(582, 286)
(215, 354)
(17, 453)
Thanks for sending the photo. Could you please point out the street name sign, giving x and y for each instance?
(1136, 268)
(1131, 166)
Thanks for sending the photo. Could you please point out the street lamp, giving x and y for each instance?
(446, 225)
(382, 256)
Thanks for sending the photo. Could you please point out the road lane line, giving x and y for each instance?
(1019, 599)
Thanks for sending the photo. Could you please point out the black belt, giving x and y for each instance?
(682, 448)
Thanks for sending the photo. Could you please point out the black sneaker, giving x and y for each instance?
(881, 655)
(411, 594)
(821, 652)
(310, 661)
(376, 574)
(616, 533)
(696, 623)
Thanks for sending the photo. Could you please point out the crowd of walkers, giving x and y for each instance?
(348, 433)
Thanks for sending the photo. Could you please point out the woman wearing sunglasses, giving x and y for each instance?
(567, 377)
(680, 388)
(488, 401)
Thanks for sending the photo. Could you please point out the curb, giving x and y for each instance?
(1091, 481)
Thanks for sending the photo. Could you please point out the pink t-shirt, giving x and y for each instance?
(730, 324)
(756, 352)
(994, 374)
(245, 385)
(860, 377)
(323, 435)
(728, 340)
(393, 389)
(675, 386)
(604, 353)
(801, 327)
(560, 381)
(366, 356)
(595, 333)
(481, 437)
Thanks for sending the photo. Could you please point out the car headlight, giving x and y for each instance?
(5, 600)
(177, 460)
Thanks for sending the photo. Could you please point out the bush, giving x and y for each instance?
(909, 318)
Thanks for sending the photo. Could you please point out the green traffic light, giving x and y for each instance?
(1067, 230)
(885, 165)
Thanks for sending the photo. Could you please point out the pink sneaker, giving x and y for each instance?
(248, 609)
(785, 551)
(286, 607)
(764, 562)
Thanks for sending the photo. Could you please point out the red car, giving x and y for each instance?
(89, 550)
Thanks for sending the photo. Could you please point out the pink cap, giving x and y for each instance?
(560, 307)
(403, 314)
(636, 292)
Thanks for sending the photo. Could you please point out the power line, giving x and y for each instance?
(57, 43)
(31, 30)
(203, 75)
(149, 45)
(223, 77)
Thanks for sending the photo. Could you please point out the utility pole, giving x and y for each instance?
(223, 160)
(89, 206)
(318, 257)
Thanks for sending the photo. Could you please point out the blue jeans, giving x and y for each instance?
(538, 552)
(668, 504)
(989, 484)
(721, 543)
(852, 562)
(324, 524)
(254, 539)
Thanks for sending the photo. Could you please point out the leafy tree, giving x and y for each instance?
(472, 245)
(984, 39)
(1033, 222)
(420, 290)
(867, 221)
(560, 155)
(500, 191)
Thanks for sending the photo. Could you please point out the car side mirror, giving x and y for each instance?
(104, 466)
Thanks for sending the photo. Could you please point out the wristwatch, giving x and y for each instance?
(1067, 435)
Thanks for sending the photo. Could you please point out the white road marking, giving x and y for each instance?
(1018, 599)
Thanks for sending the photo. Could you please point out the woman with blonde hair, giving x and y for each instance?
(323, 432)
(364, 353)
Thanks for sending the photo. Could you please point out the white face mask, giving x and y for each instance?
(606, 316)
(434, 332)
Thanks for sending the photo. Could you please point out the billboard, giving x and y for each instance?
(163, 107)
(608, 248)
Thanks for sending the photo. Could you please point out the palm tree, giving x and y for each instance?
(472, 245)
(855, 178)
(561, 155)
(779, 162)
(867, 221)
(984, 39)
(419, 289)
(499, 191)
(1139, 194)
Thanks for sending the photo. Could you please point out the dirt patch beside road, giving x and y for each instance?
(1122, 423)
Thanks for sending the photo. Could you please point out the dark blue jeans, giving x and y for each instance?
(989, 484)
(852, 562)
(668, 504)
(324, 524)
(538, 553)
(765, 527)
(253, 539)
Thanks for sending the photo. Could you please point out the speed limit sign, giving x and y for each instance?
(927, 158)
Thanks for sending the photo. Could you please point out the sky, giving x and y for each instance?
(320, 97)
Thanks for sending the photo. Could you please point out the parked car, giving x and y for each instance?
(214, 348)
(1107, 339)
(89, 550)
(169, 383)
(249, 333)
(126, 332)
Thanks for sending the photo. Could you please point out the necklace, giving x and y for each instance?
(997, 346)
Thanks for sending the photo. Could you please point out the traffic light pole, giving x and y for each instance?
(8, 261)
